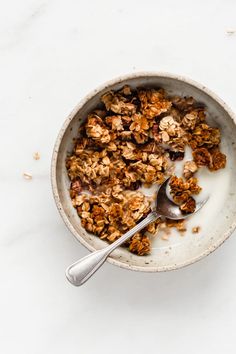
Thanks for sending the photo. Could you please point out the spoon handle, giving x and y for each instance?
(79, 272)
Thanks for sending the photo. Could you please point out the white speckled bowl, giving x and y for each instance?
(218, 222)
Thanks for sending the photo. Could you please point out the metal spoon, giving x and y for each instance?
(79, 272)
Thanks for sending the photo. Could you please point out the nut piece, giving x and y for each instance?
(190, 167)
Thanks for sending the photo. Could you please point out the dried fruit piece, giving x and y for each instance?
(176, 155)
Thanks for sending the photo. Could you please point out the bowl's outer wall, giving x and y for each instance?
(189, 252)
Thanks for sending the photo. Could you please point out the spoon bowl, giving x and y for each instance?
(167, 208)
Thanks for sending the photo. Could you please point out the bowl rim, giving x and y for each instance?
(59, 138)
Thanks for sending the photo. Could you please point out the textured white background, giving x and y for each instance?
(51, 54)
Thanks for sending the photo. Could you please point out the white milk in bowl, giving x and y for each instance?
(215, 186)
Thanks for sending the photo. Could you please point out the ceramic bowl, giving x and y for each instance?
(218, 217)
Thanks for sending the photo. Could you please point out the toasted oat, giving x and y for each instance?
(190, 167)
(183, 103)
(36, 156)
(190, 120)
(75, 188)
(27, 175)
(165, 237)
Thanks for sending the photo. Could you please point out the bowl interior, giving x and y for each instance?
(216, 219)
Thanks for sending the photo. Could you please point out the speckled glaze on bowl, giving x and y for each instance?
(187, 252)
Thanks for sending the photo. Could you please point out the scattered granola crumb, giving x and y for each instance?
(36, 156)
(27, 175)
(196, 229)
(178, 224)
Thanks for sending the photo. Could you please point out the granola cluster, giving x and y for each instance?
(132, 140)
(182, 192)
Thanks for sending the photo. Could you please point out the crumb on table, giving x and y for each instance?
(27, 175)
(36, 156)
(196, 229)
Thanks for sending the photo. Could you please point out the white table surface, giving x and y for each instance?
(51, 54)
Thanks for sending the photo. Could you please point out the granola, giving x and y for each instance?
(132, 140)
(196, 229)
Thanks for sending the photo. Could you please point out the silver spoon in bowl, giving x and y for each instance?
(79, 272)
